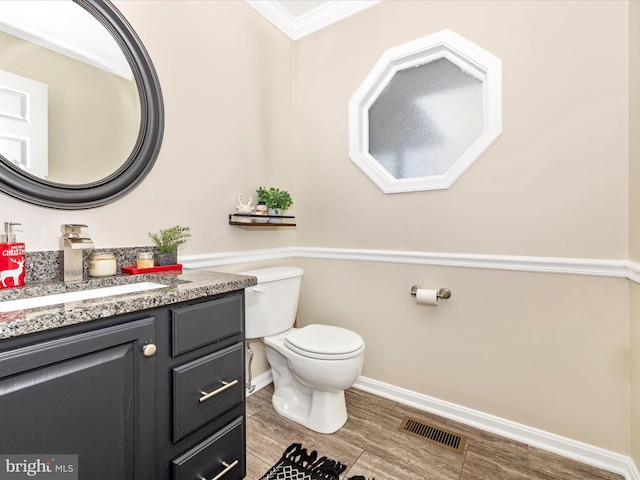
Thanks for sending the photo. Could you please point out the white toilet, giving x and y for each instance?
(311, 366)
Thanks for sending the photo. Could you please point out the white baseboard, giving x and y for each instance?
(566, 447)
(261, 381)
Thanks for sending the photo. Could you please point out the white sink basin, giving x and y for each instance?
(46, 300)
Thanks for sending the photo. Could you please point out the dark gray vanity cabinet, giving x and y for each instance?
(206, 384)
(91, 394)
(155, 395)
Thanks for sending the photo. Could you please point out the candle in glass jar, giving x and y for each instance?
(102, 264)
(144, 260)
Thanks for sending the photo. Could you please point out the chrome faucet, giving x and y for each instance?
(73, 242)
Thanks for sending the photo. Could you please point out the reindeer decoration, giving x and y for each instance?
(244, 208)
(12, 272)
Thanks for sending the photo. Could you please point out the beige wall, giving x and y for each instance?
(551, 351)
(544, 350)
(553, 184)
(225, 75)
(634, 220)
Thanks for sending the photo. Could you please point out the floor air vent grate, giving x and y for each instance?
(433, 434)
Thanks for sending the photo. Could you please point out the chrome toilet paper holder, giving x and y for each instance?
(443, 293)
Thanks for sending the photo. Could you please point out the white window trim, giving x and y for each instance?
(444, 44)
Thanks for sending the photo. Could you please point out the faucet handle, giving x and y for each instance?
(72, 229)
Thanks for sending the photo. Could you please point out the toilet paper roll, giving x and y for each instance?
(427, 297)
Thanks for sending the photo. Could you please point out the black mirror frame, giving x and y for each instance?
(22, 186)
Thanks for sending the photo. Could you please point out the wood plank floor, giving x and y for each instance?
(371, 445)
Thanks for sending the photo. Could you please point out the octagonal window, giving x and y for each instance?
(425, 112)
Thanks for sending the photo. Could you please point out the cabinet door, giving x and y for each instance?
(90, 394)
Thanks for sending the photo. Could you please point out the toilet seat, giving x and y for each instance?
(324, 342)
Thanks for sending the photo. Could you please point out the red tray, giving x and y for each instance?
(133, 270)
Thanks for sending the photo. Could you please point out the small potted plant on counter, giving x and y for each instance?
(168, 240)
(276, 200)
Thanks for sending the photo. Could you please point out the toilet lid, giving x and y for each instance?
(323, 341)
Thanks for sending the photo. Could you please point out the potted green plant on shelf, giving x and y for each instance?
(261, 204)
(168, 240)
(263, 195)
(277, 201)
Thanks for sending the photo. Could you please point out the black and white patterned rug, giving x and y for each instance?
(298, 464)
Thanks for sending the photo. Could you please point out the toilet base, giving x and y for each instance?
(310, 391)
(322, 412)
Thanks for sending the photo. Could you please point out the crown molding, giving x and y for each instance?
(318, 18)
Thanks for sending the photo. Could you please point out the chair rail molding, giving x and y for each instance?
(561, 265)
(231, 258)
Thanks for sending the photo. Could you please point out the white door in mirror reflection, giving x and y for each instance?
(24, 123)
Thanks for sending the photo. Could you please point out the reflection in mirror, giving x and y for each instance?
(69, 107)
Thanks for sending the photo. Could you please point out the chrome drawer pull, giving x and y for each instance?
(225, 385)
(223, 472)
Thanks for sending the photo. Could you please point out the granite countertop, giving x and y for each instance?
(182, 286)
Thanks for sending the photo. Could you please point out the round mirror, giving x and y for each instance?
(81, 114)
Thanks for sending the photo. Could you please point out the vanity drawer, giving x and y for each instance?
(220, 456)
(206, 388)
(203, 323)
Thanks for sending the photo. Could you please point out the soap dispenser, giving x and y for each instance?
(12, 259)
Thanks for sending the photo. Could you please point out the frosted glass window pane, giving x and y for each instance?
(425, 119)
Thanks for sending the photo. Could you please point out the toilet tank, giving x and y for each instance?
(271, 305)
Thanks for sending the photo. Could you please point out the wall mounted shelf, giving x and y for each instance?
(253, 220)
